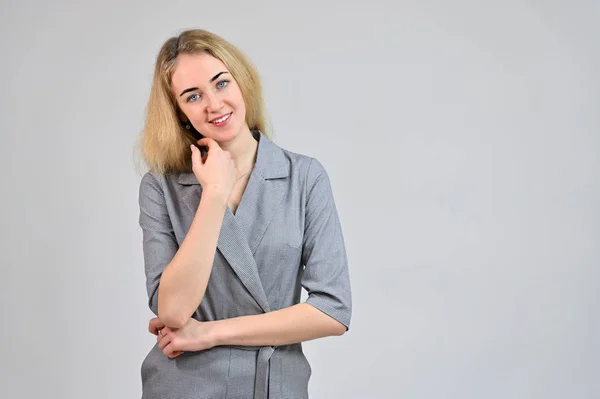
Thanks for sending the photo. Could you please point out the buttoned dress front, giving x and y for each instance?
(285, 235)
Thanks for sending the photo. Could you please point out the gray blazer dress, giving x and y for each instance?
(284, 235)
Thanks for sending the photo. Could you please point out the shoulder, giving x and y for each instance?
(308, 166)
(309, 176)
(304, 169)
(154, 182)
(150, 181)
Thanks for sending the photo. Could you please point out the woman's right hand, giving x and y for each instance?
(216, 172)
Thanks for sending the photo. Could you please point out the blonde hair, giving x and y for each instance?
(164, 142)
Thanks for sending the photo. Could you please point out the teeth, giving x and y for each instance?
(222, 119)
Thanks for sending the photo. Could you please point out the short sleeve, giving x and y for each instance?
(159, 243)
(326, 276)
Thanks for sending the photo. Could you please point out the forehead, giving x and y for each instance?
(195, 70)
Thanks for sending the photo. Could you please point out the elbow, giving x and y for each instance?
(338, 329)
(171, 315)
(172, 312)
(172, 319)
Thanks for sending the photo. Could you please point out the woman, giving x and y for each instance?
(231, 236)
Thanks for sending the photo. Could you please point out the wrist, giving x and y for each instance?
(215, 195)
(203, 336)
(218, 333)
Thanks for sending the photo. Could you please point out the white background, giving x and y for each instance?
(463, 144)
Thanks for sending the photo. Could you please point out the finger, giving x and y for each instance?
(163, 341)
(209, 142)
(156, 322)
(162, 333)
(197, 161)
(170, 351)
(167, 347)
(155, 325)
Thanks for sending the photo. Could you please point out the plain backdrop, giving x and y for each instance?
(462, 140)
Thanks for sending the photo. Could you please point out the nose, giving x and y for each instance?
(213, 102)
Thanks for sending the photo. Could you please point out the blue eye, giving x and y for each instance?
(190, 97)
(222, 84)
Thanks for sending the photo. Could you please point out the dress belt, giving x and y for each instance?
(261, 381)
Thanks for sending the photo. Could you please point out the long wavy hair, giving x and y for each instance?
(164, 142)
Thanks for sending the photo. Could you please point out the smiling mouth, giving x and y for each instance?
(221, 119)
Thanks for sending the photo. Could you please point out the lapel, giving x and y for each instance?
(241, 233)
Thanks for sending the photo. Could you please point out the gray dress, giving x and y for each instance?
(285, 235)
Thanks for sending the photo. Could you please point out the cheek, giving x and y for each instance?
(194, 113)
(241, 107)
(241, 113)
(237, 98)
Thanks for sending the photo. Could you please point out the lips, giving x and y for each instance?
(221, 118)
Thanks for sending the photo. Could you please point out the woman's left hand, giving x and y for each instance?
(194, 336)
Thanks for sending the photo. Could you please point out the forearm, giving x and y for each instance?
(183, 282)
(297, 323)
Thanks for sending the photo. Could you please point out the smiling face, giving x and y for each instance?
(209, 97)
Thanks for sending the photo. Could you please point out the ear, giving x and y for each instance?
(183, 120)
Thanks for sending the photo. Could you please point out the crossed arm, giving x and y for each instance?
(298, 323)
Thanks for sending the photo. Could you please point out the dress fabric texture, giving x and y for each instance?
(285, 235)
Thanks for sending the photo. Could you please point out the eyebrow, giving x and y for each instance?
(211, 80)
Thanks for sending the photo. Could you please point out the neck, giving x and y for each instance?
(242, 149)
